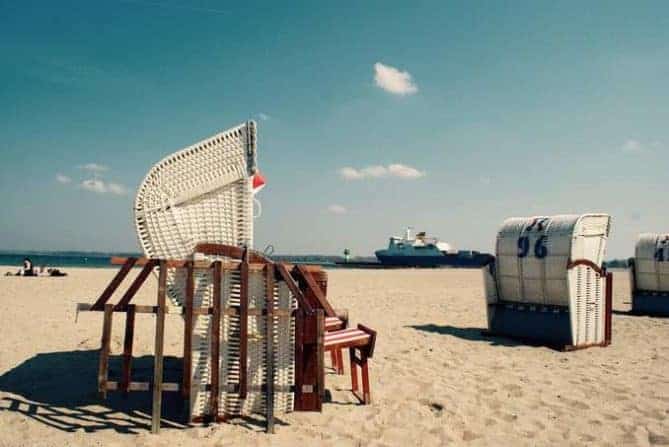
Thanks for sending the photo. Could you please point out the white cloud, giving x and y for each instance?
(117, 189)
(632, 147)
(94, 185)
(94, 167)
(350, 173)
(403, 171)
(393, 80)
(264, 116)
(60, 178)
(337, 209)
(377, 171)
(485, 180)
(100, 187)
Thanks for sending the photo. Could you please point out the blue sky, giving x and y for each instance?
(491, 109)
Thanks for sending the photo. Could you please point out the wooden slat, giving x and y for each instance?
(216, 341)
(143, 386)
(299, 359)
(294, 289)
(136, 284)
(127, 347)
(230, 251)
(188, 332)
(254, 266)
(587, 263)
(316, 291)
(269, 340)
(113, 285)
(243, 324)
(103, 366)
(320, 354)
(232, 311)
(233, 388)
(608, 309)
(160, 334)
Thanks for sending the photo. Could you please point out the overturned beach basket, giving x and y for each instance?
(547, 284)
(204, 193)
(650, 275)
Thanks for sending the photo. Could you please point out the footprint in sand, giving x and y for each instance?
(514, 390)
(436, 408)
(468, 435)
(576, 404)
(657, 439)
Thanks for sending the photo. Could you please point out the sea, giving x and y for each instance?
(102, 260)
(61, 259)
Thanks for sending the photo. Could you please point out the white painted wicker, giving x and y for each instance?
(204, 193)
(652, 262)
(532, 256)
(283, 347)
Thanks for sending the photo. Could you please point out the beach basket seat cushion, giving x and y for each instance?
(535, 289)
(360, 342)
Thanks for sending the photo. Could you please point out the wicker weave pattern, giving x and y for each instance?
(544, 279)
(284, 349)
(199, 194)
(531, 279)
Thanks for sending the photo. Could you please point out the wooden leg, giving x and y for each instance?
(158, 365)
(127, 347)
(269, 346)
(216, 343)
(188, 335)
(340, 362)
(354, 371)
(333, 360)
(103, 367)
(367, 398)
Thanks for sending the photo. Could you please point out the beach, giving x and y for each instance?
(435, 379)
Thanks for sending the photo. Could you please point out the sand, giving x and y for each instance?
(435, 379)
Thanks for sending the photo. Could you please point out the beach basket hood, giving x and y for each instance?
(202, 193)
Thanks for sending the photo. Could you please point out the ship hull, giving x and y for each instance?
(476, 261)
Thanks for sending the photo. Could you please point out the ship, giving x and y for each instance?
(425, 251)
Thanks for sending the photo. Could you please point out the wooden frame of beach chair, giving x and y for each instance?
(309, 328)
(314, 283)
(307, 383)
(125, 384)
(649, 275)
(360, 342)
(547, 284)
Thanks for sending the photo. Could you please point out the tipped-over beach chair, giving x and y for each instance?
(255, 331)
(547, 284)
(204, 194)
(649, 275)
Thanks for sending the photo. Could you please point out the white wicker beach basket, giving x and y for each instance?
(203, 193)
(652, 262)
(532, 258)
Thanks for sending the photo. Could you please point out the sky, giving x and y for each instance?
(372, 116)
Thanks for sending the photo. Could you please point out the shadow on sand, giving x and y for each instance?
(467, 333)
(59, 389)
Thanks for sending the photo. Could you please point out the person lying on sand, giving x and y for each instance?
(28, 267)
(28, 270)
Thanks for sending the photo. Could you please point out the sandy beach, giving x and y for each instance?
(435, 379)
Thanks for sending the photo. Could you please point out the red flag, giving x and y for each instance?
(258, 182)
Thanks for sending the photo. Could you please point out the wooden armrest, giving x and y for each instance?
(586, 262)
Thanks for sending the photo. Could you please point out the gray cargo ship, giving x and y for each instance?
(425, 251)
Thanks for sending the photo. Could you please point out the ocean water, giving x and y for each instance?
(58, 260)
(102, 260)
